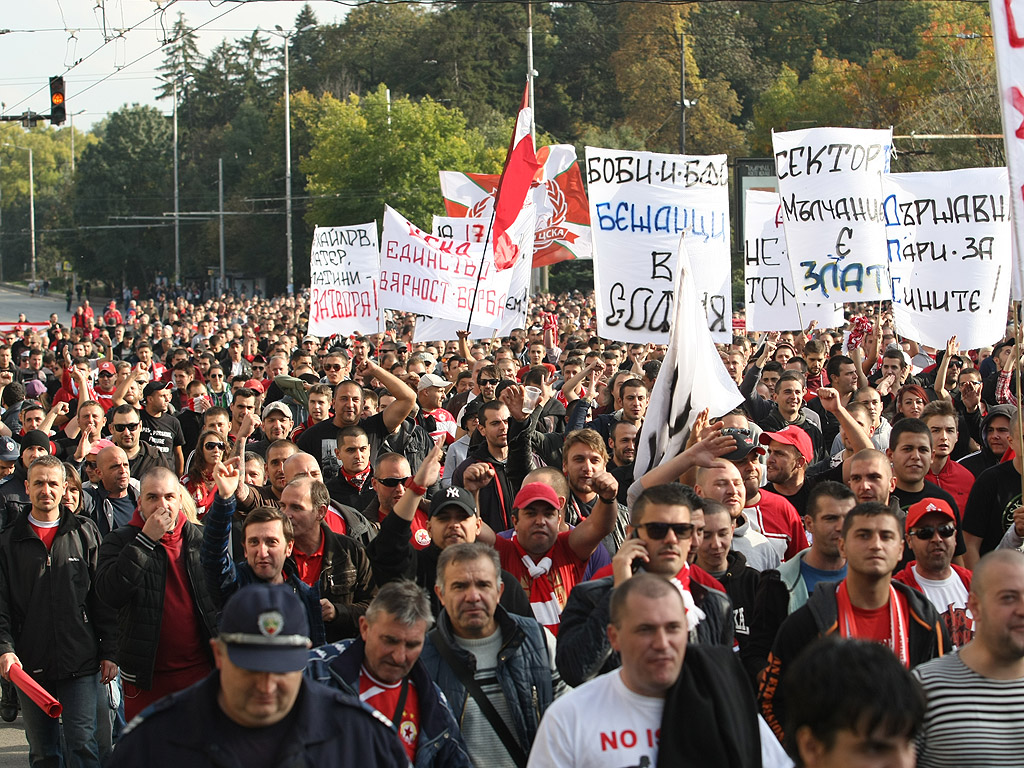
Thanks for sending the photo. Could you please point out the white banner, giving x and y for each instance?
(344, 267)
(692, 377)
(425, 274)
(640, 205)
(438, 329)
(769, 296)
(949, 254)
(831, 190)
(1008, 39)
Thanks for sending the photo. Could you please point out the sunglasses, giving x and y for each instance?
(258, 367)
(104, 375)
(212, 446)
(91, 464)
(393, 482)
(488, 382)
(332, 367)
(122, 427)
(216, 375)
(660, 530)
(926, 532)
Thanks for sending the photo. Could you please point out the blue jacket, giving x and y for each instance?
(224, 577)
(440, 744)
(331, 730)
(524, 672)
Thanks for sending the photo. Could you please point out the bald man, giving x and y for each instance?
(983, 684)
(723, 483)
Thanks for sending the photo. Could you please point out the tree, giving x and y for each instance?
(181, 59)
(366, 154)
(647, 72)
(126, 174)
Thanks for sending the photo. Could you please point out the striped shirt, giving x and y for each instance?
(971, 721)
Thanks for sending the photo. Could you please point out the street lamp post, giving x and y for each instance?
(31, 204)
(71, 118)
(286, 35)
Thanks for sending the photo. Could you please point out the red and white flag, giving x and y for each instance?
(521, 170)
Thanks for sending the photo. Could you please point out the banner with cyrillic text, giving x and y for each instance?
(440, 277)
(474, 230)
(949, 242)
(640, 205)
(344, 267)
(769, 296)
(831, 190)
(1008, 41)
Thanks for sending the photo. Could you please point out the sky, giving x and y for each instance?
(105, 70)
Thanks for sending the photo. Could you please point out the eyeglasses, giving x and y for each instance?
(660, 530)
(212, 446)
(392, 482)
(122, 427)
(926, 532)
(332, 366)
(488, 382)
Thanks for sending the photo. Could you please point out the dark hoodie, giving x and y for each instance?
(979, 461)
(774, 422)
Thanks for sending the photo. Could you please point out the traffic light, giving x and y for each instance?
(57, 109)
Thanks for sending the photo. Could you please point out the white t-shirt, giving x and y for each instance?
(603, 724)
(949, 596)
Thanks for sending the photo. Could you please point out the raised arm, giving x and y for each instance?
(584, 538)
(405, 398)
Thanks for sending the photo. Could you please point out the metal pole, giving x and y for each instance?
(220, 201)
(177, 221)
(682, 93)
(1, 237)
(32, 210)
(71, 116)
(288, 173)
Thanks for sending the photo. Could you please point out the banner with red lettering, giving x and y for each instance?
(563, 221)
(1008, 37)
(344, 266)
(514, 316)
(831, 189)
(440, 277)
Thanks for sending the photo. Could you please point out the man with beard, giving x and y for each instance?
(125, 431)
(622, 445)
(994, 501)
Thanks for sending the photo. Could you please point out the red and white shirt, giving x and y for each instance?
(384, 698)
(779, 522)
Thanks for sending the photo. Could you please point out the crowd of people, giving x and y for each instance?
(227, 541)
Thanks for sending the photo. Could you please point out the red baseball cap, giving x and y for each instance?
(926, 506)
(255, 384)
(106, 367)
(532, 492)
(792, 435)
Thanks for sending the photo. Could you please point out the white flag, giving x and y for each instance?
(692, 378)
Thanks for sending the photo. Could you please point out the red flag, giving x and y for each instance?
(521, 167)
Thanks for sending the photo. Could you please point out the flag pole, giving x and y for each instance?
(483, 260)
(1017, 337)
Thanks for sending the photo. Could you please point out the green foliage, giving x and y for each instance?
(126, 174)
(366, 153)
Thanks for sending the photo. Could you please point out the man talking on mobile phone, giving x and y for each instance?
(658, 542)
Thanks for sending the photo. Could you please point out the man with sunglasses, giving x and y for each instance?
(931, 535)
(658, 541)
(106, 376)
(125, 431)
(335, 367)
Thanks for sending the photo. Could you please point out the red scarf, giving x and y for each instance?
(899, 626)
(694, 615)
(542, 594)
(357, 480)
